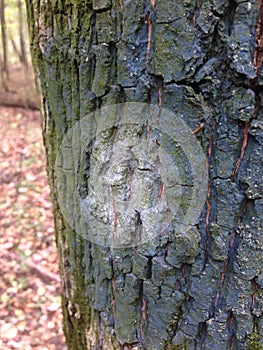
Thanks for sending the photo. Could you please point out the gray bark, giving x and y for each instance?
(202, 60)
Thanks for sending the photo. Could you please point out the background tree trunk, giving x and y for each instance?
(198, 59)
(22, 54)
(4, 58)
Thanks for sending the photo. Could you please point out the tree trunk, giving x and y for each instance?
(4, 59)
(22, 55)
(197, 63)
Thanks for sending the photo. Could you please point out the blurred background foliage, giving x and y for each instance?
(14, 43)
(16, 79)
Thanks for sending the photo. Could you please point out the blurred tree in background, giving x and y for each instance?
(14, 39)
(4, 69)
(17, 88)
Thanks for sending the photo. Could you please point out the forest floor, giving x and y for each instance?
(30, 311)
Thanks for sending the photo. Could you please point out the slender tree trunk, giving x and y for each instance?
(22, 55)
(4, 59)
(198, 289)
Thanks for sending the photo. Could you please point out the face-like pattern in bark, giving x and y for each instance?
(127, 200)
(135, 175)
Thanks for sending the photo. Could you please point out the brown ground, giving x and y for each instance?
(30, 312)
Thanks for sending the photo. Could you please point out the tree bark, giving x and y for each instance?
(202, 61)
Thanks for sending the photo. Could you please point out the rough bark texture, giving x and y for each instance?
(189, 57)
